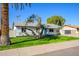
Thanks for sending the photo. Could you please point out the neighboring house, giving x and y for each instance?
(69, 30)
(19, 29)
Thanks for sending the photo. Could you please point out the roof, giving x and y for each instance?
(73, 26)
(31, 24)
(19, 24)
(52, 26)
(25, 24)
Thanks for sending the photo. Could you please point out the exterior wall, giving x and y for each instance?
(11, 33)
(30, 32)
(18, 32)
(14, 32)
(74, 31)
(52, 33)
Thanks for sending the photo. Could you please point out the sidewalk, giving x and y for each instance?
(39, 49)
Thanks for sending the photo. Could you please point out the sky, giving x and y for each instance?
(69, 11)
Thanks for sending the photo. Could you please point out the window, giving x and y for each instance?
(57, 30)
(78, 29)
(23, 29)
(51, 30)
(67, 31)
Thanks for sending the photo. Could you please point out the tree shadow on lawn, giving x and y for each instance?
(44, 38)
(23, 41)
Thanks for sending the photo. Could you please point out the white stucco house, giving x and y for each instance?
(19, 29)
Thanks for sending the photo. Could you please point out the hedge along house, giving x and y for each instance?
(19, 29)
(69, 30)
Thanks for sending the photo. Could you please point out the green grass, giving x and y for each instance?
(18, 42)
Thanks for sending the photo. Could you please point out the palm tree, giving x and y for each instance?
(5, 40)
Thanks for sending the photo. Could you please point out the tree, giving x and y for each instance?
(5, 40)
(39, 26)
(58, 20)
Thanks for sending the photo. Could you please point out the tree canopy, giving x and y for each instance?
(58, 20)
(39, 27)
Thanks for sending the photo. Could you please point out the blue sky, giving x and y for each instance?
(70, 11)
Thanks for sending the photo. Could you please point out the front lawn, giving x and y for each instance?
(18, 42)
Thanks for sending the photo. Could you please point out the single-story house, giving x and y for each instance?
(69, 30)
(19, 29)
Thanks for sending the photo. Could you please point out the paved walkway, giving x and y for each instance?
(40, 49)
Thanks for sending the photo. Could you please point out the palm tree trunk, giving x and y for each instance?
(5, 25)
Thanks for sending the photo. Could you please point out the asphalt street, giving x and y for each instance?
(74, 51)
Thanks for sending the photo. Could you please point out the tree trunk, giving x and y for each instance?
(5, 40)
(40, 32)
(34, 34)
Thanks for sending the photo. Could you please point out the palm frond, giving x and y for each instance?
(20, 6)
